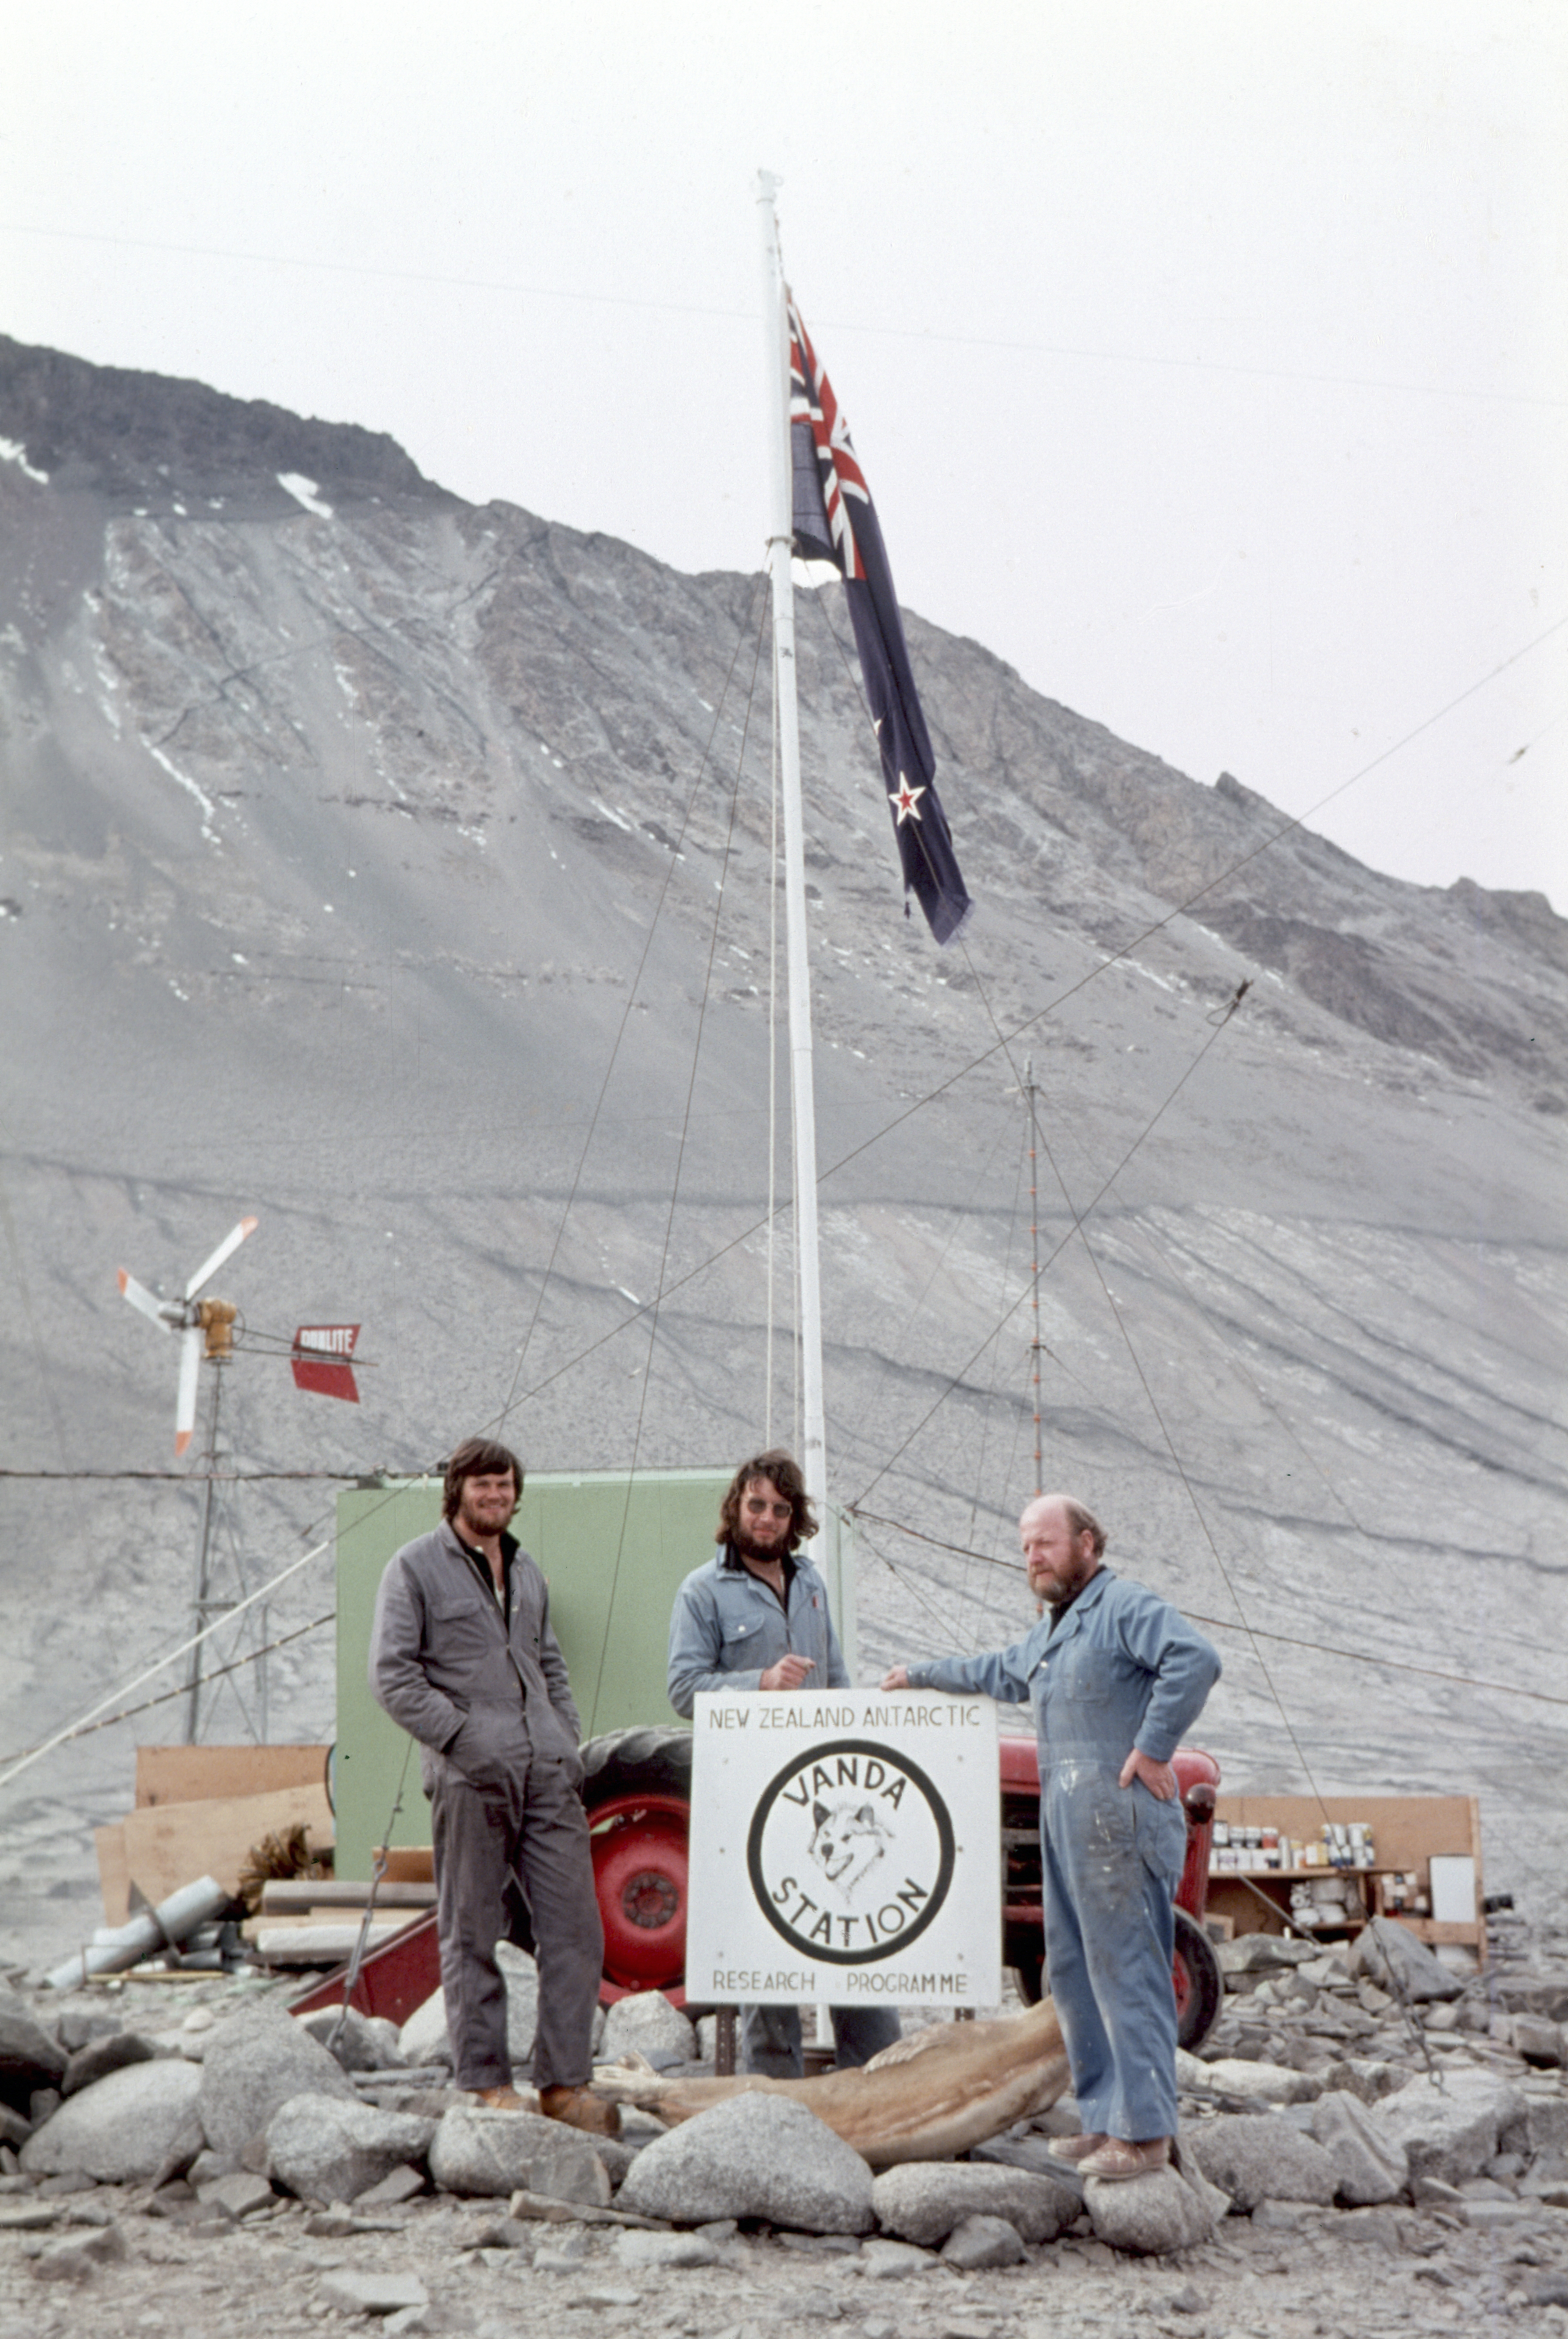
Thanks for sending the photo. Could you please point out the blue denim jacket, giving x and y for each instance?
(726, 1629)
(1123, 1669)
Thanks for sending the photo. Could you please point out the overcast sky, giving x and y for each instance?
(1206, 357)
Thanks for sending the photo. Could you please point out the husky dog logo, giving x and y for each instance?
(851, 1852)
(848, 1839)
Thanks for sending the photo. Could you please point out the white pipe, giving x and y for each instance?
(781, 528)
(172, 1920)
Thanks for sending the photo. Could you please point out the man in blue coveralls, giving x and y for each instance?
(1115, 1678)
(756, 1617)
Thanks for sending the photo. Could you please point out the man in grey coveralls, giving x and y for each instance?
(756, 1617)
(462, 1655)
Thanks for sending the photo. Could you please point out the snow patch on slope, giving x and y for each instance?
(11, 451)
(303, 491)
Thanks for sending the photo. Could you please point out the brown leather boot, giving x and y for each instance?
(1071, 2149)
(580, 2107)
(1117, 2161)
(501, 2099)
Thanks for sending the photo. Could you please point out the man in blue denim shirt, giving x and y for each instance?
(756, 1617)
(1115, 1678)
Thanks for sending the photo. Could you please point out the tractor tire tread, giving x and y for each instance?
(638, 1761)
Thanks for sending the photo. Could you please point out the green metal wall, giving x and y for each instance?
(611, 1589)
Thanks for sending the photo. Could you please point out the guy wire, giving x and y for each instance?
(675, 1181)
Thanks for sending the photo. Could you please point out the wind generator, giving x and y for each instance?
(206, 1327)
(320, 1356)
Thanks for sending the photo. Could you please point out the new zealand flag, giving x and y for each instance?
(835, 521)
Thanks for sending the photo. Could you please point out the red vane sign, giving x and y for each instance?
(319, 1360)
(328, 1340)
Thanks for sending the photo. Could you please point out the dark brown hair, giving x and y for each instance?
(785, 1472)
(478, 1458)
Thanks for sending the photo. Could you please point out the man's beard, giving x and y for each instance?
(749, 1548)
(492, 1522)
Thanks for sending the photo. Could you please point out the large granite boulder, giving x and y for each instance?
(120, 2130)
(423, 2038)
(1389, 1954)
(1452, 2131)
(1258, 2157)
(646, 2023)
(1152, 2216)
(923, 2201)
(1370, 2165)
(753, 2156)
(254, 2064)
(327, 2150)
(359, 2042)
(477, 2151)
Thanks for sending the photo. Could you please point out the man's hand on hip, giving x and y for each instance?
(1157, 1777)
(788, 1674)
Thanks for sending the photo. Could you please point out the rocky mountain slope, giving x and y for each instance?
(400, 869)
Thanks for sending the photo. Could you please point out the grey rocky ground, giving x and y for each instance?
(1388, 2161)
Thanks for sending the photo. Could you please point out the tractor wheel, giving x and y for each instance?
(1199, 1985)
(637, 1787)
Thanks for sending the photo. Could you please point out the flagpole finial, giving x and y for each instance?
(768, 185)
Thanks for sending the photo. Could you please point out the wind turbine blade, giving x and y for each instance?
(140, 1297)
(190, 1349)
(226, 1249)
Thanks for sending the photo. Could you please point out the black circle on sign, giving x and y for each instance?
(895, 1943)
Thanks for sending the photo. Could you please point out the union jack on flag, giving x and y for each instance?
(835, 521)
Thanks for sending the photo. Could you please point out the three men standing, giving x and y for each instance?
(1115, 1678)
(756, 1617)
(463, 1656)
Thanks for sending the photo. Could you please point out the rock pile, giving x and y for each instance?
(1419, 2123)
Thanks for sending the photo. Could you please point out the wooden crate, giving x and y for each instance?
(165, 1845)
(200, 1774)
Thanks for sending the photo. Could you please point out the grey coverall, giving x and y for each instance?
(484, 1689)
(1120, 1668)
(726, 1628)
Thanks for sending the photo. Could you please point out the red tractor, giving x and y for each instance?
(639, 1792)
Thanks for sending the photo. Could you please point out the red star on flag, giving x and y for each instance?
(905, 800)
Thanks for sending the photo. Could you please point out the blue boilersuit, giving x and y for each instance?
(1122, 1668)
(726, 1628)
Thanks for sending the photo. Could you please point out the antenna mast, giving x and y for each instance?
(780, 540)
(1031, 1093)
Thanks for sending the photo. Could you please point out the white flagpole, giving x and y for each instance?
(776, 342)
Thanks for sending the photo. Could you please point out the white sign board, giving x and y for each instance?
(845, 1850)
